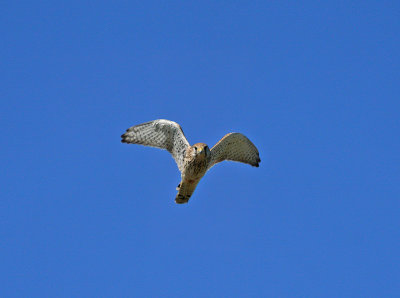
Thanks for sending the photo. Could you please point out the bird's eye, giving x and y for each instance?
(195, 148)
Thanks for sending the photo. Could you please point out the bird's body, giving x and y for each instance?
(193, 161)
(196, 161)
(195, 167)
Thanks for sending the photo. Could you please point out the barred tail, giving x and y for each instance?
(185, 191)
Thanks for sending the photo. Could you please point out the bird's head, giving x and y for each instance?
(201, 150)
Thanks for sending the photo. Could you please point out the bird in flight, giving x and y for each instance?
(193, 161)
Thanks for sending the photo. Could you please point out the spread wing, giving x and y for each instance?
(235, 147)
(163, 134)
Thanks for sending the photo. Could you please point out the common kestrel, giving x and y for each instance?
(193, 161)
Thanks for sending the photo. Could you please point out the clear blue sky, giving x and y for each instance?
(315, 85)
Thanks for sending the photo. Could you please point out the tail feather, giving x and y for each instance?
(185, 191)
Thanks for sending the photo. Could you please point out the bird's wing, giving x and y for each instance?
(235, 147)
(163, 134)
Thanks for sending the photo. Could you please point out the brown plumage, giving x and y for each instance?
(193, 161)
(196, 160)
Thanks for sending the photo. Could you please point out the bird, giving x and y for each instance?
(193, 161)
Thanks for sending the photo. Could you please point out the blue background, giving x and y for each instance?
(314, 84)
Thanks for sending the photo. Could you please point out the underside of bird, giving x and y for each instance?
(185, 190)
(192, 161)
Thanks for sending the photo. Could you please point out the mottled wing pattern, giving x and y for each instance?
(163, 134)
(235, 147)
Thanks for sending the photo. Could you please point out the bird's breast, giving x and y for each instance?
(195, 168)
